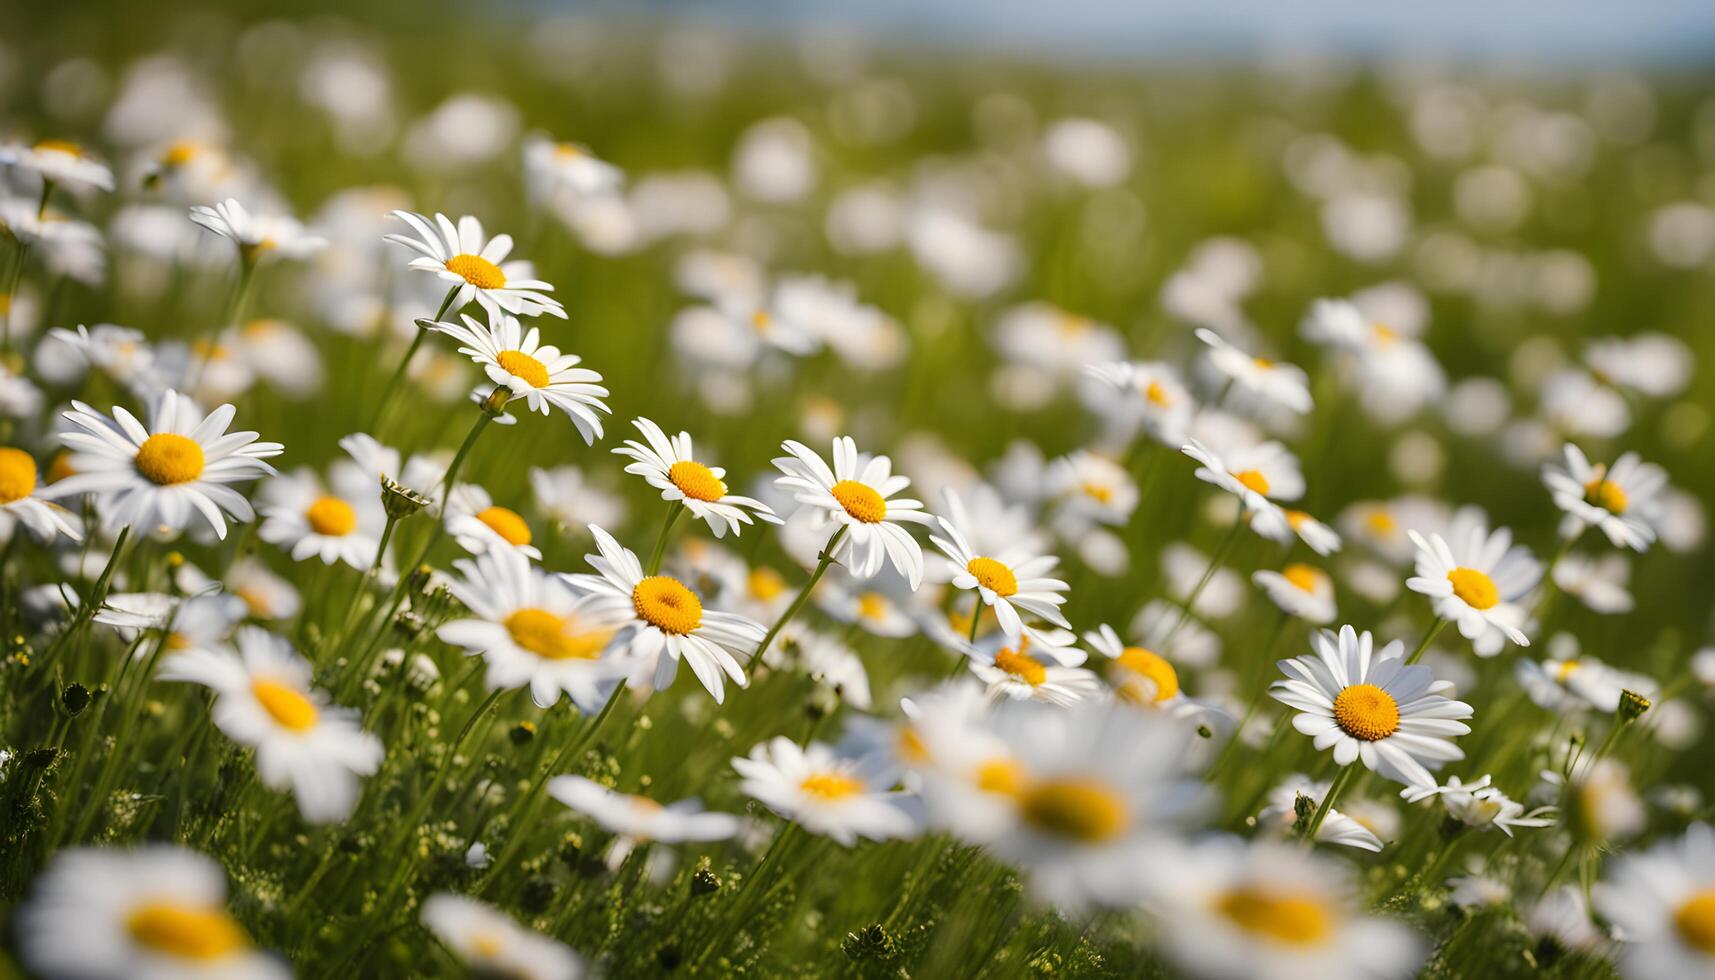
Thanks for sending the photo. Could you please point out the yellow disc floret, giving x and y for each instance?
(17, 474)
(508, 524)
(665, 603)
(831, 785)
(1695, 920)
(523, 367)
(285, 704)
(1080, 809)
(860, 501)
(477, 271)
(993, 576)
(188, 932)
(696, 481)
(1305, 577)
(1297, 920)
(1151, 666)
(1606, 494)
(1475, 588)
(332, 517)
(1365, 711)
(1022, 666)
(554, 637)
(1253, 480)
(168, 458)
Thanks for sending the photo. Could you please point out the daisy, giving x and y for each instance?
(1368, 705)
(1090, 811)
(1620, 500)
(1270, 911)
(532, 630)
(194, 624)
(1599, 583)
(1476, 580)
(1258, 475)
(663, 622)
(640, 818)
(1479, 804)
(306, 518)
(568, 498)
(257, 235)
(480, 526)
(267, 596)
(878, 610)
(538, 373)
(1320, 538)
(1035, 667)
(1662, 904)
(154, 913)
(1009, 581)
(154, 477)
(1299, 590)
(264, 701)
(839, 797)
(1575, 683)
(1272, 383)
(856, 494)
(668, 464)
(476, 266)
(20, 504)
(59, 162)
(489, 943)
(1163, 405)
(1089, 488)
(1148, 677)
(1337, 828)
(552, 169)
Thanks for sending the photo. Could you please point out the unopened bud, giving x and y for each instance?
(1632, 706)
(399, 500)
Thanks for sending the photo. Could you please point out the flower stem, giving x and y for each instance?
(1435, 629)
(823, 561)
(1225, 546)
(1334, 790)
(405, 363)
(673, 513)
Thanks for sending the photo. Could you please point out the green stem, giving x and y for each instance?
(673, 513)
(398, 375)
(823, 561)
(1434, 630)
(1225, 546)
(1334, 790)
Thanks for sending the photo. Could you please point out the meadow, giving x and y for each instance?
(560, 496)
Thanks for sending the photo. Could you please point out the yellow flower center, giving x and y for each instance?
(1080, 809)
(1022, 666)
(1101, 493)
(1475, 588)
(696, 481)
(487, 945)
(1296, 920)
(1565, 669)
(508, 524)
(1000, 776)
(523, 367)
(760, 321)
(1381, 523)
(1384, 334)
(255, 601)
(285, 704)
(17, 474)
(1302, 576)
(60, 468)
(1071, 324)
(477, 271)
(665, 603)
(61, 146)
(332, 517)
(831, 785)
(910, 745)
(1263, 363)
(180, 153)
(1253, 480)
(993, 576)
(568, 151)
(765, 583)
(1365, 711)
(1157, 395)
(860, 501)
(168, 458)
(188, 932)
(1606, 494)
(554, 637)
(1153, 667)
(1695, 920)
(872, 606)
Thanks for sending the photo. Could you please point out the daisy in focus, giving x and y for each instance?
(475, 266)
(1368, 705)
(1620, 500)
(154, 477)
(490, 943)
(857, 495)
(264, 701)
(154, 913)
(311, 520)
(668, 464)
(1479, 804)
(1258, 475)
(1476, 579)
(537, 373)
(839, 797)
(661, 622)
(480, 525)
(1037, 666)
(1010, 581)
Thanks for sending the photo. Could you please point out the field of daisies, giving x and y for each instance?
(578, 498)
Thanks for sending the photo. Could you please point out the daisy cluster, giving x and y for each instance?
(1059, 593)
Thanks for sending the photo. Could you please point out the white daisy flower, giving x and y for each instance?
(59, 162)
(1476, 580)
(480, 526)
(664, 622)
(1162, 402)
(1656, 365)
(839, 797)
(669, 465)
(461, 256)
(1271, 911)
(154, 913)
(1369, 705)
(198, 623)
(154, 477)
(267, 596)
(1479, 804)
(1620, 500)
(263, 700)
(257, 235)
(1010, 581)
(1300, 590)
(1270, 382)
(309, 520)
(1034, 667)
(857, 495)
(490, 943)
(20, 504)
(1088, 489)
(538, 373)
(569, 498)
(1598, 583)
(1318, 536)
(1140, 676)
(880, 610)
(553, 169)
(1337, 828)
(532, 630)
(1576, 682)
(1258, 475)
(640, 818)
(1662, 904)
